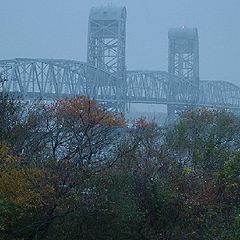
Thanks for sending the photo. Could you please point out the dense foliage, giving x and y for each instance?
(73, 170)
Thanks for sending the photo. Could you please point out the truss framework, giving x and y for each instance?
(183, 61)
(184, 53)
(53, 79)
(104, 76)
(107, 43)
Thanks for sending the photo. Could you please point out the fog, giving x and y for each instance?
(58, 29)
(89, 150)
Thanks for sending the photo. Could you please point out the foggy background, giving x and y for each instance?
(58, 29)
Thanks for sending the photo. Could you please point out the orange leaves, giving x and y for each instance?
(142, 123)
(85, 111)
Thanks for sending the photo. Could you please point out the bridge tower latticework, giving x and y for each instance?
(183, 62)
(107, 49)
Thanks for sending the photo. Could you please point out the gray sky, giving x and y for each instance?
(58, 29)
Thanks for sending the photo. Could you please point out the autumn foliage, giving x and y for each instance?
(85, 111)
(74, 170)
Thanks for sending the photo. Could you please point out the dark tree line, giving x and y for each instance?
(73, 170)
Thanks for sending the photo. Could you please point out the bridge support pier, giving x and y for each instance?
(171, 113)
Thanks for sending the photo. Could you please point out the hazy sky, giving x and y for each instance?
(58, 29)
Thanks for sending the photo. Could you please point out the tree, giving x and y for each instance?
(77, 171)
(204, 139)
(71, 139)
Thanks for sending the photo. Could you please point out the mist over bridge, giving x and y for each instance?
(105, 78)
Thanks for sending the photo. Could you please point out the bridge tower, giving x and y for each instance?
(106, 49)
(183, 61)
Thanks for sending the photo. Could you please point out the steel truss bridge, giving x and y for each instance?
(105, 78)
(54, 79)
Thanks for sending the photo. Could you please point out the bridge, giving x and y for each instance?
(104, 76)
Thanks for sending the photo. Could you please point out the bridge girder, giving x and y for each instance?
(54, 79)
(220, 94)
(51, 79)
